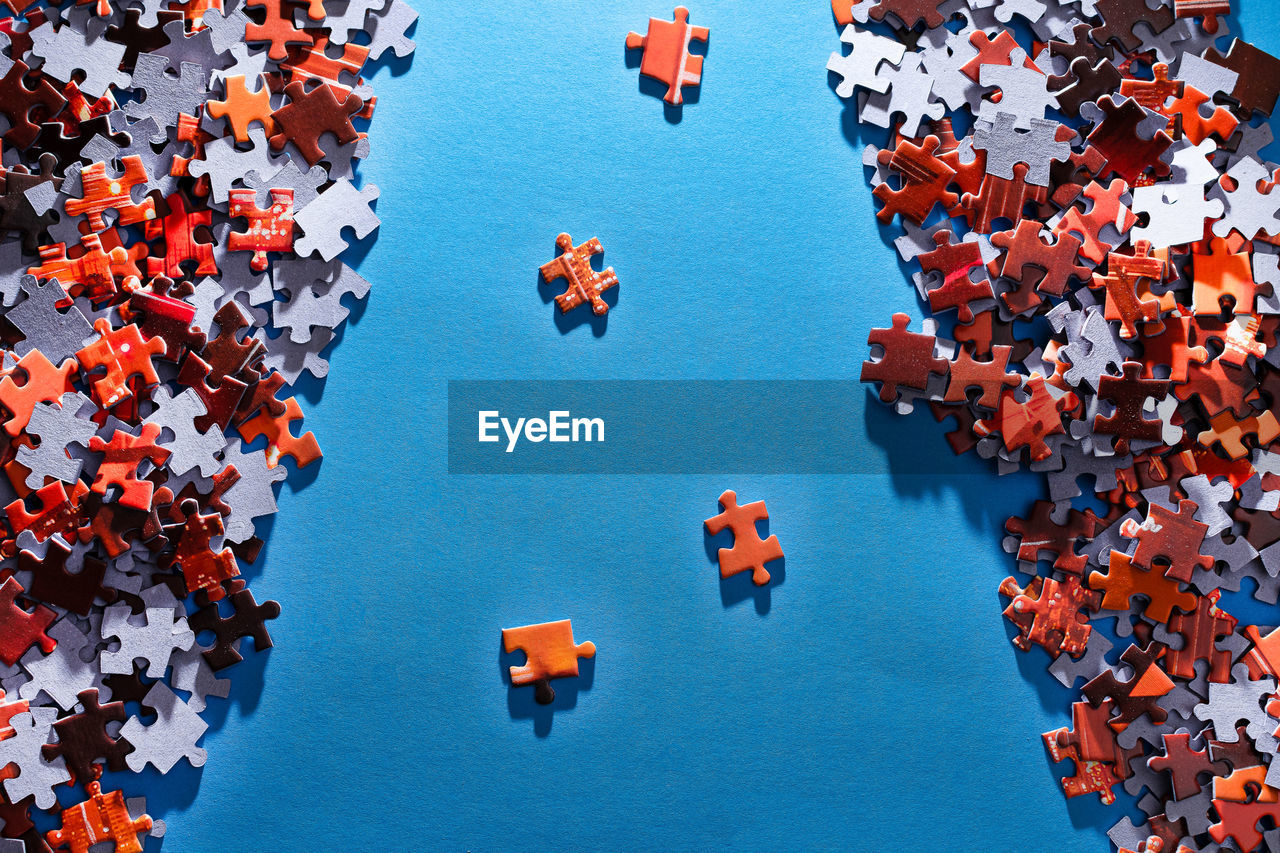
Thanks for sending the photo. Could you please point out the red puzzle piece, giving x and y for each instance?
(270, 230)
(666, 53)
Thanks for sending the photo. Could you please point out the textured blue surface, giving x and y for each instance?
(869, 701)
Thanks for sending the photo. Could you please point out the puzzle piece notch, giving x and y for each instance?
(550, 653)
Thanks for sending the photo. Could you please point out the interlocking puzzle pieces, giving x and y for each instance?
(749, 551)
(550, 653)
(585, 285)
(667, 57)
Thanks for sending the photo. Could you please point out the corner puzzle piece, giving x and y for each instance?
(119, 468)
(1051, 613)
(280, 442)
(550, 652)
(270, 229)
(666, 53)
(124, 354)
(585, 284)
(99, 819)
(749, 551)
(102, 193)
(248, 620)
(21, 629)
(907, 360)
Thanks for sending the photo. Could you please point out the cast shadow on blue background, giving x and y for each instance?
(521, 704)
(740, 587)
(673, 113)
(582, 315)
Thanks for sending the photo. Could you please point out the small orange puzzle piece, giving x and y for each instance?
(242, 107)
(43, 383)
(749, 551)
(550, 652)
(585, 283)
(666, 53)
(124, 354)
(280, 442)
(103, 193)
(102, 817)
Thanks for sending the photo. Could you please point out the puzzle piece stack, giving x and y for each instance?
(1096, 166)
(176, 182)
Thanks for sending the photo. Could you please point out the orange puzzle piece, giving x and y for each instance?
(124, 354)
(242, 107)
(102, 193)
(44, 383)
(574, 265)
(749, 551)
(280, 442)
(666, 53)
(550, 652)
(102, 817)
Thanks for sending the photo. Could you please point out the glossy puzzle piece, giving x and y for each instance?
(584, 284)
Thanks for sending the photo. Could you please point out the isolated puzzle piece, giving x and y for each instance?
(749, 551)
(584, 284)
(666, 53)
(550, 652)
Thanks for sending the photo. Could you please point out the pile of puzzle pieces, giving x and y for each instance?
(1091, 172)
(177, 179)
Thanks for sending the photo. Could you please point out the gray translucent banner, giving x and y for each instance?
(661, 427)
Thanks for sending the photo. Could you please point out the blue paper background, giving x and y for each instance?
(870, 700)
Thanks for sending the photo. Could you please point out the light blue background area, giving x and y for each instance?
(870, 701)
